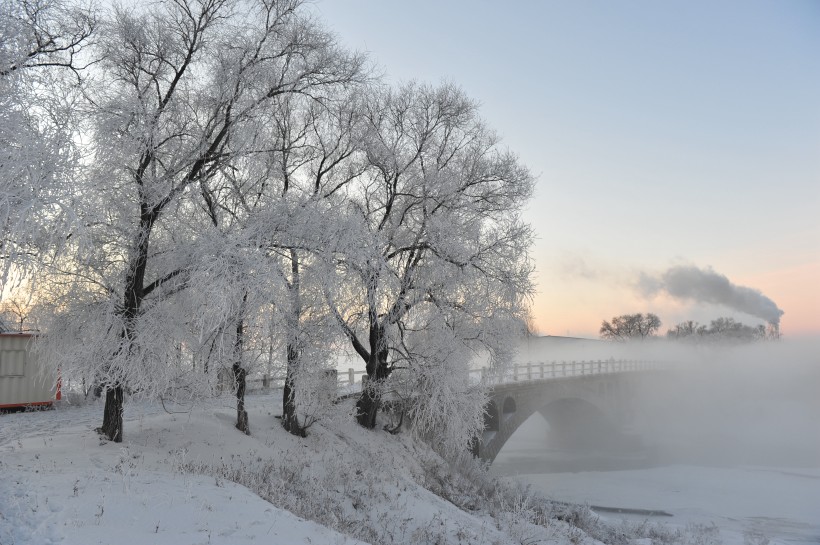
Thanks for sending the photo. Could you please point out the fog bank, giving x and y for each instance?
(753, 404)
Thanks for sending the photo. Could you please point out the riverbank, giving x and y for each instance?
(185, 475)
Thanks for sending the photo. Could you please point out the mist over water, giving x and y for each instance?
(724, 434)
(752, 405)
(713, 404)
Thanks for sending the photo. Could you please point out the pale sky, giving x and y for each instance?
(662, 133)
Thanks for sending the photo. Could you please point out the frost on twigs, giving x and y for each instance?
(251, 199)
(438, 252)
(176, 112)
(43, 53)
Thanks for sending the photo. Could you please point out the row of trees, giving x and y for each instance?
(642, 326)
(722, 329)
(217, 184)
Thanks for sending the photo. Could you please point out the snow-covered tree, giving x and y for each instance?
(41, 73)
(317, 162)
(630, 327)
(282, 202)
(245, 191)
(181, 89)
(440, 255)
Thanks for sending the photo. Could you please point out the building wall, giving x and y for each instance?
(22, 380)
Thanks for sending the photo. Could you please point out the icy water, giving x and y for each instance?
(749, 504)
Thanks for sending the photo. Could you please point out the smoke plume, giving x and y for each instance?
(708, 286)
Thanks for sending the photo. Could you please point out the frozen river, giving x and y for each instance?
(729, 436)
(749, 504)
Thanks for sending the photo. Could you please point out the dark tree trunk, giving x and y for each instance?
(240, 374)
(367, 407)
(290, 420)
(132, 300)
(112, 414)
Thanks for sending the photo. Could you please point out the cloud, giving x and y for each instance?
(574, 266)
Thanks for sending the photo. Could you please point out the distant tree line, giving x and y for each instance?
(628, 327)
(722, 330)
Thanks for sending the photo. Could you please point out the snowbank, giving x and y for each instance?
(191, 478)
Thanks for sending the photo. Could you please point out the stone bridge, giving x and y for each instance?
(590, 395)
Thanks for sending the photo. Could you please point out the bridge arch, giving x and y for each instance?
(576, 423)
(591, 400)
(509, 406)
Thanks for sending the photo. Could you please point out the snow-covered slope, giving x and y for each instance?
(68, 486)
(174, 480)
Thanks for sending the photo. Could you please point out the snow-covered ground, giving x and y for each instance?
(189, 477)
(62, 484)
(748, 504)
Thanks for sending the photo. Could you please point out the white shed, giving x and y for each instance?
(23, 383)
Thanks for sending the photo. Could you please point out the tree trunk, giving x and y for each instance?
(368, 405)
(112, 414)
(132, 300)
(240, 376)
(239, 373)
(377, 370)
(290, 420)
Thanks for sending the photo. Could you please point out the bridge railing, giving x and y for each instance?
(350, 381)
(559, 369)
